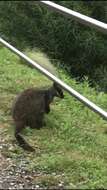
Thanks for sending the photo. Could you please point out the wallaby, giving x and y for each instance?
(29, 109)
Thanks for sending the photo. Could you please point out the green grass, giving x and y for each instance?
(72, 147)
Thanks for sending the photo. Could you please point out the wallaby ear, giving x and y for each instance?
(55, 85)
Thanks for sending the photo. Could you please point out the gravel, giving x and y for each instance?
(15, 177)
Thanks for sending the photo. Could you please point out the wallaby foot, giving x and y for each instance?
(21, 141)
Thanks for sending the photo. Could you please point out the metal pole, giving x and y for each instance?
(71, 91)
(76, 16)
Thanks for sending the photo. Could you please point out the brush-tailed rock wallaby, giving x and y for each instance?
(29, 109)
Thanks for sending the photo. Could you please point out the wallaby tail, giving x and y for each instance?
(22, 143)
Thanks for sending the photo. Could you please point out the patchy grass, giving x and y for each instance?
(72, 148)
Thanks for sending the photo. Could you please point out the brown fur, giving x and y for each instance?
(29, 109)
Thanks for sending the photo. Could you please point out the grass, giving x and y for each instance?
(72, 148)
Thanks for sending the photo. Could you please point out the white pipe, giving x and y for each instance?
(76, 16)
(71, 91)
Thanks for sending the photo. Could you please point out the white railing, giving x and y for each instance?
(76, 16)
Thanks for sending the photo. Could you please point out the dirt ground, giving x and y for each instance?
(14, 175)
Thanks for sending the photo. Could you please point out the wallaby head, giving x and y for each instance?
(58, 91)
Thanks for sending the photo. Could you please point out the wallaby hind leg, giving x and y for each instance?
(37, 123)
(20, 139)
